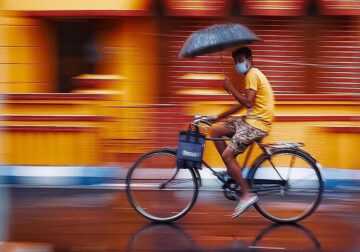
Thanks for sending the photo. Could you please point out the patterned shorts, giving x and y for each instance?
(243, 134)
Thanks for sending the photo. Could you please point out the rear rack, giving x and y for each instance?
(282, 145)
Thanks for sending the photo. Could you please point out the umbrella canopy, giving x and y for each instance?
(216, 38)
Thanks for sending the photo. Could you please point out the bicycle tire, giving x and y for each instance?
(260, 182)
(166, 181)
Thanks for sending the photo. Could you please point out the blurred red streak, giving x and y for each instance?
(33, 128)
(53, 96)
(54, 118)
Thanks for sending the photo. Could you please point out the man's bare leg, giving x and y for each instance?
(218, 132)
(234, 170)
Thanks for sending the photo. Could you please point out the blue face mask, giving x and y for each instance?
(242, 67)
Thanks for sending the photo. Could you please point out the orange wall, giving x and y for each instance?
(130, 49)
(27, 60)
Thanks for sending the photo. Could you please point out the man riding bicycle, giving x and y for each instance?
(259, 100)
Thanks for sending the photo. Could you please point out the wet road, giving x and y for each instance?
(102, 220)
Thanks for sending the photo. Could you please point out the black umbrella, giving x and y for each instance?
(217, 38)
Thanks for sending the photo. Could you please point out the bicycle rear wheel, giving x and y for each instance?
(289, 185)
(158, 190)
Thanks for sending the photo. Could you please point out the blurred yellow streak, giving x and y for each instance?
(197, 76)
(202, 92)
(46, 5)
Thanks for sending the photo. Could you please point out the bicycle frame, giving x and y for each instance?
(227, 139)
(266, 152)
(282, 182)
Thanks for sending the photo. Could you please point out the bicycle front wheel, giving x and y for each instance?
(289, 185)
(158, 190)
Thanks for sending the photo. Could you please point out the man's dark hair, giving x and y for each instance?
(242, 51)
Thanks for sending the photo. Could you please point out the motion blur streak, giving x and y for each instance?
(89, 86)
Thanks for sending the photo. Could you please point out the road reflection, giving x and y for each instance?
(267, 237)
(161, 237)
(76, 220)
(172, 237)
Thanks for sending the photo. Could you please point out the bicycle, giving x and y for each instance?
(286, 178)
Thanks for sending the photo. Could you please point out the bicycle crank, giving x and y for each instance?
(231, 190)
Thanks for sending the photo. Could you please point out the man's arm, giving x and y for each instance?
(226, 113)
(231, 111)
(246, 100)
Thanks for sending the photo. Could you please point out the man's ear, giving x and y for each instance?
(250, 61)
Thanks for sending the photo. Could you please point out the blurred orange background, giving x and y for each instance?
(99, 82)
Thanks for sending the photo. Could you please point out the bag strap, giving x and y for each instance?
(194, 129)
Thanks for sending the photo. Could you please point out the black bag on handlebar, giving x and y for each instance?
(190, 149)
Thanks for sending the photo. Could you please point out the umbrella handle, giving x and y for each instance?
(222, 64)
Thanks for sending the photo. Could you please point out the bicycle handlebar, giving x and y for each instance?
(200, 119)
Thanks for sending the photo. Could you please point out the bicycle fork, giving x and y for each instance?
(197, 175)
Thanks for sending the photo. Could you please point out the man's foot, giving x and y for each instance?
(244, 205)
(224, 176)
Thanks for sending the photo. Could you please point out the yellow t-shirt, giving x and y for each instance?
(261, 115)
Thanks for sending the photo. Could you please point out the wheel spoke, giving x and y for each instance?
(269, 192)
(290, 166)
(274, 167)
(180, 181)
